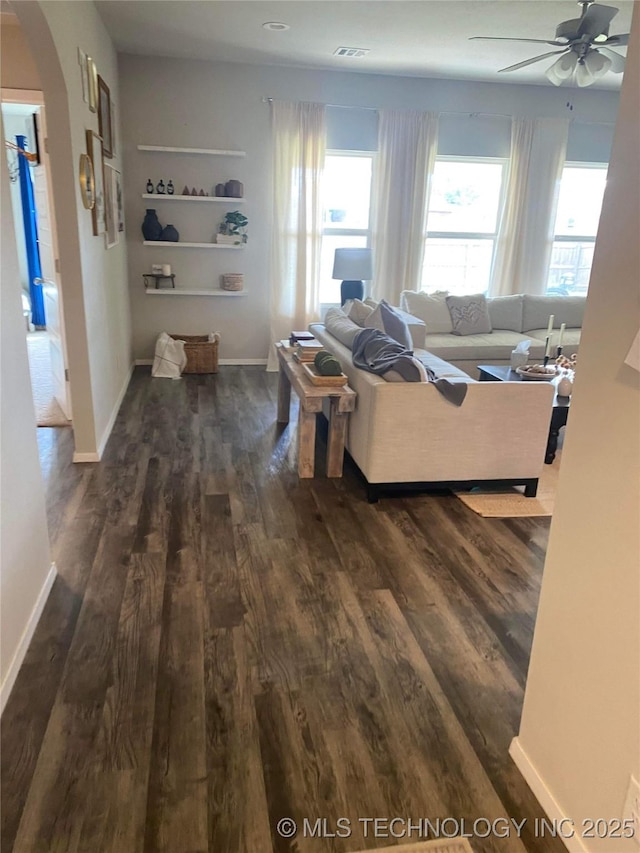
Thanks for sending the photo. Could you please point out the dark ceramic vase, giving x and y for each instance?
(151, 228)
(170, 234)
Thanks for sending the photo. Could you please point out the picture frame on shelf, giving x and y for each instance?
(104, 117)
(92, 82)
(111, 234)
(94, 151)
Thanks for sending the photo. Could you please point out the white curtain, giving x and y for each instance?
(298, 138)
(525, 235)
(407, 145)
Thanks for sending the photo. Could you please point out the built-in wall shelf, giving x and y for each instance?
(168, 150)
(166, 244)
(181, 292)
(163, 197)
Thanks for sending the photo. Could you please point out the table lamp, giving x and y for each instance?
(353, 266)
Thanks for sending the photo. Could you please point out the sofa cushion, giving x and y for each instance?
(565, 309)
(341, 327)
(372, 303)
(357, 311)
(430, 308)
(570, 339)
(442, 368)
(469, 314)
(506, 312)
(480, 348)
(388, 320)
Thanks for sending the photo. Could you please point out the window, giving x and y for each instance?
(347, 199)
(462, 224)
(579, 205)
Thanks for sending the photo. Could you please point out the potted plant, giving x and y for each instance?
(233, 228)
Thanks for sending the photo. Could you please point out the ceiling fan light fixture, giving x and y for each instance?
(597, 64)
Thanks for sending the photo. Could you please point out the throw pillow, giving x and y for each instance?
(340, 326)
(469, 314)
(386, 320)
(357, 311)
(370, 302)
(431, 308)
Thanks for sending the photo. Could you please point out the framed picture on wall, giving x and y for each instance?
(84, 74)
(92, 81)
(119, 202)
(110, 206)
(94, 150)
(104, 117)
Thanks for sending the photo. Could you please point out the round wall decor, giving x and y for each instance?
(87, 182)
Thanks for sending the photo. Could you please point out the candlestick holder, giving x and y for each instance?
(545, 360)
(558, 352)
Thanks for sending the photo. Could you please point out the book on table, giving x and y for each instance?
(306, 351)
(294, 337)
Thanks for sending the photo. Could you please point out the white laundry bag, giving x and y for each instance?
(169, 360)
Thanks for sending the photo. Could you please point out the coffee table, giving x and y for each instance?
(559, 413)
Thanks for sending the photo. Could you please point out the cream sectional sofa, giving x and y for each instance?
(408, 433)
(513, 318)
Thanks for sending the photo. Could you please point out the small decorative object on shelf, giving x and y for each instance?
(233, 281)
(186, 190)
(150, 186)
(166, 269)
(232, 229)
(219, 190)
(156, 278)
(151, 227)
(170, 234)
(201, 191)
(170, 188)
(233, 189)
(160, 188)
(156, 269)
(194, 191)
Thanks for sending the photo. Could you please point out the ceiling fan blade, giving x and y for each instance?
(505, 38)
(596, 20)
(621, 40)
(617, 61)
(531, 61)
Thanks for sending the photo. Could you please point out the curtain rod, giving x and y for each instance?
(268, 100)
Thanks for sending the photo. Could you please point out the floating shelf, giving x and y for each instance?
(163, 197)
(166, 244)
(168, 150)
(180, 292)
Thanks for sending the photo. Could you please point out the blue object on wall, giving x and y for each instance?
(31, 236)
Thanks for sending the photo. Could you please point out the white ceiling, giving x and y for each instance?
(418, 38)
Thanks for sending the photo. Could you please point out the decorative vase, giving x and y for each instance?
(170, 188)
(565, 387)
(233, 189)
(151, 227)
(149, 186)
(170, 234)
(160, 188)
(219, 190)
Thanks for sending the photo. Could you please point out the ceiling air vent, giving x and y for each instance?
(351, 52)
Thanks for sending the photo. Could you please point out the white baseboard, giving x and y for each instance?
(97, 455)
(27, 634)
(543, 795)
(224, 361)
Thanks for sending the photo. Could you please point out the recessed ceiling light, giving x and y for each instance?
(276, 26)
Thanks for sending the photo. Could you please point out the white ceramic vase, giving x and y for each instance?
(565, 387)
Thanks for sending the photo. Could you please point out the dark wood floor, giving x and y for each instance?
(226, 645)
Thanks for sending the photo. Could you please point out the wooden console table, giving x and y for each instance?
(342, 400)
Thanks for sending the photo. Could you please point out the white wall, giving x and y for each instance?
(580, 730)
(218, 105)
(24, 543)
(17, 67)
(94, 279)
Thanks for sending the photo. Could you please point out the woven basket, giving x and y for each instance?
(233, 281)
(202, 354)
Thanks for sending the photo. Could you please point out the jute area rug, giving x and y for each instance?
(511, 503)
(449, 845)
(48, 412)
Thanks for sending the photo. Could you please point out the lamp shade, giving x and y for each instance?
(353, 264)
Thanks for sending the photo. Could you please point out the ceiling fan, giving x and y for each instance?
(585, 43)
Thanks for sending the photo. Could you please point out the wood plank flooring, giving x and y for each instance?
(227, 645)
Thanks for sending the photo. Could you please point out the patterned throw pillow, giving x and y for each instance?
(469, 314)
(387, 320)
